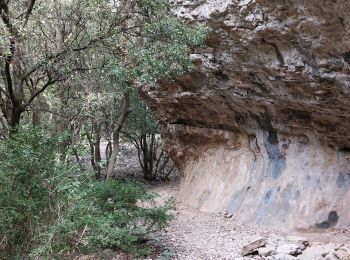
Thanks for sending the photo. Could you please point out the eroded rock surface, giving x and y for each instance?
(262, 127)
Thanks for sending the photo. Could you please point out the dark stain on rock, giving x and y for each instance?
(221, 76)
(278, 167)
(297, 114)
(268, 196)
(213, 39)
(239, 118)
(277, 159)
(264, 121)
(341, 20)
(344, 149)
(257, 81)
(272, 137)
(264, 209)
(342, 180)
(303, 140)
(346, 56)
(330, 222)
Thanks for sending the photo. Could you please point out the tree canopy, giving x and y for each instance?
(51, 44)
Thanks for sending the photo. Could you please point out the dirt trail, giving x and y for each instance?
(196, 235)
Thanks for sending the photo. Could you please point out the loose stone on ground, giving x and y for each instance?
(195, 235)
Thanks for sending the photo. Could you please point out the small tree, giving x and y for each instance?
(142, 130)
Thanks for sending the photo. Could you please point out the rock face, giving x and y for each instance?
(261, 128)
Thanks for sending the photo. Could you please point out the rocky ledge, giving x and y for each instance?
(261, 128)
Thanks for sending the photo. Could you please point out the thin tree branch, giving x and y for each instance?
(31, 4)
(4, 14)
(116, 133)
(38, 92)
(3, 91)
(9, 79)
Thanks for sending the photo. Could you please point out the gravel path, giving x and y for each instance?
(197, 235)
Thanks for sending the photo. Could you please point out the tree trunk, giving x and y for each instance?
(108, 151)
(147, 144)
(116, 133)
(95, 151)
(97, 158)
(15, 89)
(92, 154)
(36, 116)
(113, 158)
(145, 152)
(12, 71)
(15, 117)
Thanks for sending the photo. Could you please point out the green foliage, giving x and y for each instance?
(29, 177)
(107, 214)
(49, 207)
(165, 48)
(141, 120)
(152, 6)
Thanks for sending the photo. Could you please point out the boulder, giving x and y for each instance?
(253, 246)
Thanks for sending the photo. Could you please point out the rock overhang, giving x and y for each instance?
(271, 95)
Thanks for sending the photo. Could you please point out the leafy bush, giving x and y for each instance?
(29, 175)
(107, 214)
(51, 208)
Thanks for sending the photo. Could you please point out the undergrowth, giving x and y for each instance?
(51, 207)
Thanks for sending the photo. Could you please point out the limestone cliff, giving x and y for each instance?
(262, 126)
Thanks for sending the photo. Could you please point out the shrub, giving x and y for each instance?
(29, 175)
(107, 214)
(50, 207)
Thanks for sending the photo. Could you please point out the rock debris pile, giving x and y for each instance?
(294, 247)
